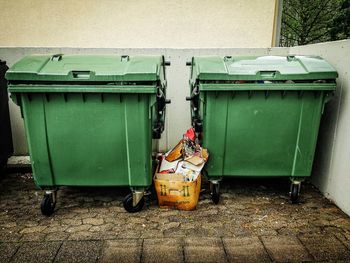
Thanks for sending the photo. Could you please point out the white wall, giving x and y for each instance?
(137, 23)
(331, 173)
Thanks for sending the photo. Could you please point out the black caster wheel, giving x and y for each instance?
(215, 194)
(294, 193)
(47, 205)
(128, 205)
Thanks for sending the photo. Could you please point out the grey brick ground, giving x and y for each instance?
(326, 247)
(36, 252)
(286, 249)
(254, 222)
(240, 249)
(168, 250)
(122, 250)
(7, 250)
(79, 251)
(204, 250)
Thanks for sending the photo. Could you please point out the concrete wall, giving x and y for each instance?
(332, 164)
(137, 23)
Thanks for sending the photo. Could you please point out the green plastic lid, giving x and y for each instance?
(86, 68)
(262, 68)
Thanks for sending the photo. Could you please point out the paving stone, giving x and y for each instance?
(342, 237)
(72, 222)
(55, 228)
(9, 236)
(79, 210)
(34, 229)
(285, 249)
(93, 221)
(33, 237)
(262, 231)
(121, 251)
(52, 222)
(56, 236)
(169, 212)
(342, 223)
(152, 233)
(79, 251)
(117, 207)
(204, 250)
(169, 225)
(36, 252)
(167, 250)
(245, 249)
(28, 223)
(9, 225)
(135, 219)
(128, 233)
(175, 232)
(325, 247)
(64, 213)
(7, 250)
(85, 235)
(74, 229)
(99, 210)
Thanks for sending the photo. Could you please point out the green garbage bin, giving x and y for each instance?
(90, 120)
(259, 116)
(6, 147)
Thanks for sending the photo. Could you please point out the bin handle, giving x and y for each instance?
(81, 74)
(268, 74)
(56, 57)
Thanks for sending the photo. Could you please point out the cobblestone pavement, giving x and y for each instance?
(254, 222)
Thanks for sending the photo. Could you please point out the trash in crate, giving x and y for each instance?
(186, 158)
(178, 176)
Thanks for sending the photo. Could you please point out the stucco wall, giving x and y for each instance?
(137, 23)
(332, 164)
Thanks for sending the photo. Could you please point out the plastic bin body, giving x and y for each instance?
(89, 119)
(260, 115)
(6, 147)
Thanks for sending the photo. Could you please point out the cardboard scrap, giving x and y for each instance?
(187, 158)
(168, 167)
(175, 153)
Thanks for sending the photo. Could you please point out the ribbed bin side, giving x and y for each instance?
(254, 133)
(89, 139)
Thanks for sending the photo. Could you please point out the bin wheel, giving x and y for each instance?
(294, 193)
(127, 203)
(215, 195)
(47, 205)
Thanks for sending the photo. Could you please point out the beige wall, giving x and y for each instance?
(137, 23)
(332, 164)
